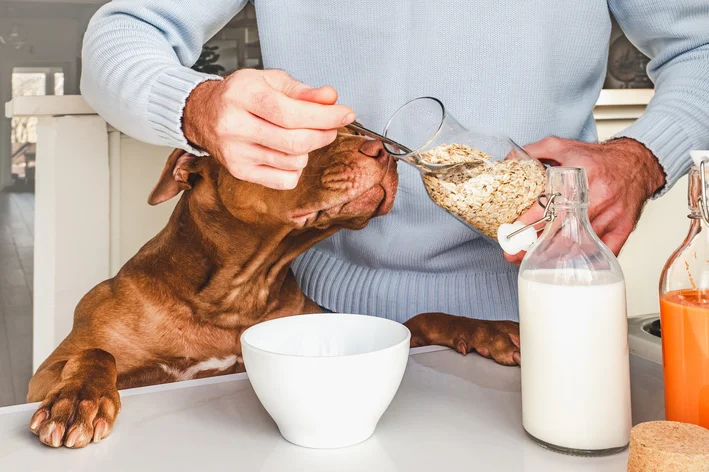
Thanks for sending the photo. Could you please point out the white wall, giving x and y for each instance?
(660, 231)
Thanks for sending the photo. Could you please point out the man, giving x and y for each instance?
(531, 69)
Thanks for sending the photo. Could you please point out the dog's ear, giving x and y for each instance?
(175, 177)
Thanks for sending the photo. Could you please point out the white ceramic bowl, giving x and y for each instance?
(326, 379)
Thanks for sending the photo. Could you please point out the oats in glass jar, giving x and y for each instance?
(482, 192)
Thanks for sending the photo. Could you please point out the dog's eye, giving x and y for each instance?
(350, 133)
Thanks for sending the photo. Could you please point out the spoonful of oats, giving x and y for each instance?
(440, 159)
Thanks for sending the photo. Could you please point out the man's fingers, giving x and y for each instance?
(615, 240)
(613, 230)
(283, 82)
(516, 259)
(289, 113)
(242, 126)
(275, 178)
(550, 148)
(262, 124)
(533, 214)
(616, 194)
(260, 155)
(282, 161)
(288, 141)
(322, 95)
(556, 152)
(267, 176)
(282, 106)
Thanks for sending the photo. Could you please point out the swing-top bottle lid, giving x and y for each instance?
(699, 156)
(566, 187)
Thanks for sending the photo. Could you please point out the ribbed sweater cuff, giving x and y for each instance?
(166, 104)
(667, 140)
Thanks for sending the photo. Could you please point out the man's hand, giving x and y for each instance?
(622, 175)
(262, 124)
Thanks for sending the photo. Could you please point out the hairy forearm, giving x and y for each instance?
(136, 59)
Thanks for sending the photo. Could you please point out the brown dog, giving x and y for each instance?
(177, 309)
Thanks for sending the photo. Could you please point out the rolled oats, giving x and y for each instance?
(482, 192)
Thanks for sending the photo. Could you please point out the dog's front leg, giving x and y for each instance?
(79, 397)
(498, 340)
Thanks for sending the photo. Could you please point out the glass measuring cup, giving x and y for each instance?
(494, 180)
(399, 151)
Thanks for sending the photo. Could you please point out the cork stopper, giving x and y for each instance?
(664, 446)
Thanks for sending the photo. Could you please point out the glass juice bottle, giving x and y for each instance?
(684, 313)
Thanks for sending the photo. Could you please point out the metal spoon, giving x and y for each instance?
(357, 128)
(402, 153)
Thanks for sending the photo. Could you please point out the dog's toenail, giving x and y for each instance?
(39, 419)
(100, 429)
(56, 437)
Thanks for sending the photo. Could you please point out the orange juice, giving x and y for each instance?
(685, 352)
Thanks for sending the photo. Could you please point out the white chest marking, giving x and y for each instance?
(209, 364)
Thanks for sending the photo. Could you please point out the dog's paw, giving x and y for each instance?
(74, 414)
(498, 340)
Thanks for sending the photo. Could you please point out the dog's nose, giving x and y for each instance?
(372, 148)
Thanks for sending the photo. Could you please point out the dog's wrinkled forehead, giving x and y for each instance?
(342, 181)
(351, 168)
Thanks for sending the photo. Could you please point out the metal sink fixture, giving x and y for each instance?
(644, 337)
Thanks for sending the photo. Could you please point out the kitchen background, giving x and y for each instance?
(40, 43)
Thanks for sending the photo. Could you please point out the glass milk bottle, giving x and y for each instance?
(684, 310)
(573, 330)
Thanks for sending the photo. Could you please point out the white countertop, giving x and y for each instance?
(451, 413)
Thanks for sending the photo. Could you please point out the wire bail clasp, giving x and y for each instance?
(703, 205)
(548, 216)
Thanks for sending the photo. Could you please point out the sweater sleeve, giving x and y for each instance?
(136, 59)
(675, 35)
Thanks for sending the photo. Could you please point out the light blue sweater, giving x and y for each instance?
(530, 68)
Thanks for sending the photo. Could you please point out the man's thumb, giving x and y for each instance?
(533, 214)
